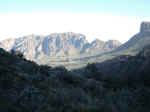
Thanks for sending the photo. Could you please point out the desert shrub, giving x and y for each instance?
(6, 79)
(17, 53)
(70, 78)
(61, 68)
(91, 71)
(91, 67)
(31, 67)
(44, 69)
(3, 52)
(93, 87)
(87, 108)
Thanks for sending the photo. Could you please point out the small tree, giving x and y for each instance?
(92, 67)
(17, 53)
(93, 72)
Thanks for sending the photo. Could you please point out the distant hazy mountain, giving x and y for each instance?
(138, 41)
(58, 45)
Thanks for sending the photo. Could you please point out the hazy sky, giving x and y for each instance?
(102, 19)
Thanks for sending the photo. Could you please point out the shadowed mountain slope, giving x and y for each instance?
(28, 87)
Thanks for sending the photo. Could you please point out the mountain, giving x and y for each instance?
(102, 47)
(28, 87)
(72, 50)
(34, 46)
(132, 47)
(126, 65)
(138, 41)
(58, 46)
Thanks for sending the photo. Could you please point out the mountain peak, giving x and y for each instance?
(138, 41)
(68, 35)
(113, 43)
(97, 41)
(145, 27)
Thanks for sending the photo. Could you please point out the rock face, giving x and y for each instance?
(145, 27)
(138, 41)
(99, 47)
(57, 45)
(7, 44)
(63, 44)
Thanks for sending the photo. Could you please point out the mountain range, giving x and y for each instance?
(73, 50)
(58, 45)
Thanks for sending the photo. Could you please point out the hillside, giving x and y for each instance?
(128, 67)
(28, 87)
(138, 41)
(132, 47)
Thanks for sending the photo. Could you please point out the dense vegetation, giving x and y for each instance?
(28, 87)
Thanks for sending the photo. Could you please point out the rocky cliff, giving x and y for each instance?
(57, 45)
(145, 27)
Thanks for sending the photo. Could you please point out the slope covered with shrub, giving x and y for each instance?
(28, 87)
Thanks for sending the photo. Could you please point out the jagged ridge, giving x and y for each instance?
(57, 45)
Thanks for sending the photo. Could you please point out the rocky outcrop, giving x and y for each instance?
(99, 47)
(7, 44)
(145, 27)
(113, 44)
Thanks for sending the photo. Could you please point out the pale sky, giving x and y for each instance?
(108, 19)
